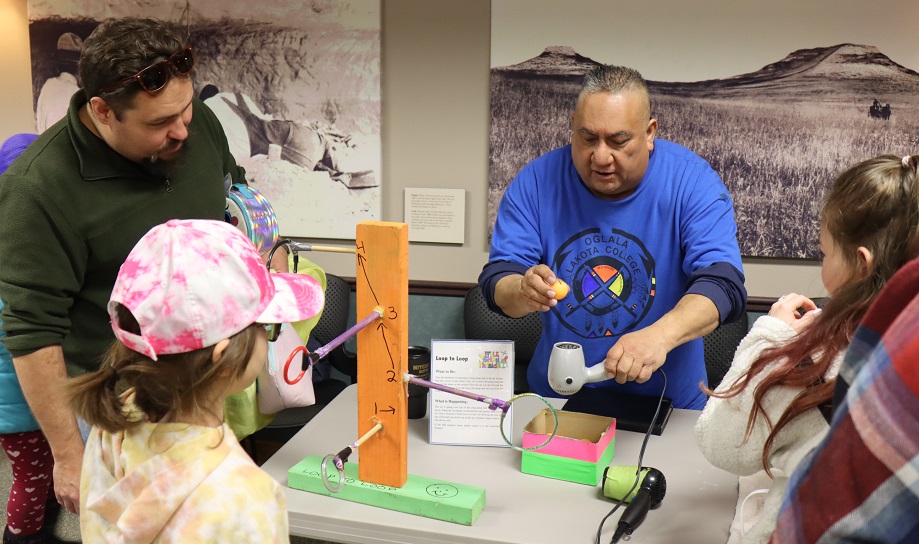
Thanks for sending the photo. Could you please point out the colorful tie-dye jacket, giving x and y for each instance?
(175, 482)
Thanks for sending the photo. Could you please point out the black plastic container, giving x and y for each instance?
(419, 364)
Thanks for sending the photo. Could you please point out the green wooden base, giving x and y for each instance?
(420, 496)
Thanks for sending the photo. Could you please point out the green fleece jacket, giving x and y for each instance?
(71, 209)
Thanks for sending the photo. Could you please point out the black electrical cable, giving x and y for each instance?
(641, 455)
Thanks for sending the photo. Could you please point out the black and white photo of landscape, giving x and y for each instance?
(777, 135)
(314, 64)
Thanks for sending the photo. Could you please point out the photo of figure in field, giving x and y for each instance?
(777, 135)
(295, 85)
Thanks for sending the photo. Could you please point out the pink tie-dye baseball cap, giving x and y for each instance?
(191, 283)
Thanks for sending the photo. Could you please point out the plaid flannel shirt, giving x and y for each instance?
(861, 484)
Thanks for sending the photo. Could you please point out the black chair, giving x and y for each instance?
(720, 345)
(481, 323)
(332, 322)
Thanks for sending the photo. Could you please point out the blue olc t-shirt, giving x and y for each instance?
(627, 261)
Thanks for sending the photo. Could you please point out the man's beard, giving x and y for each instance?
(165, 167)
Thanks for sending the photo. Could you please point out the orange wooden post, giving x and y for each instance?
(382, 351)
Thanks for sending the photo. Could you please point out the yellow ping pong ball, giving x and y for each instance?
(561, 289)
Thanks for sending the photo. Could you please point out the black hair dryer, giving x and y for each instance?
(650, 493)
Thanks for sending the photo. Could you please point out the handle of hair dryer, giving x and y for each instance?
(596, 373)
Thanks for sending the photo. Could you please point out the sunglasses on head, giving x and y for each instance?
(154, 77)
(273, 330)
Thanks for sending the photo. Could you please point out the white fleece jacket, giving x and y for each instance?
(721, 427)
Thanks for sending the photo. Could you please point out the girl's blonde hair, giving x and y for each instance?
(174, 384)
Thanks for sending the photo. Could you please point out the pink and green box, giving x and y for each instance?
(581, 449)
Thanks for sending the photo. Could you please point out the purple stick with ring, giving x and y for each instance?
(314, 357)
(492, 403)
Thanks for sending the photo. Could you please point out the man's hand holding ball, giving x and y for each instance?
(561, 289)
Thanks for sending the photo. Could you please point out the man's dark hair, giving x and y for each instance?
(611, 79)
(120, 48)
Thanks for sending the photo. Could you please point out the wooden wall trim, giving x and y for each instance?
(456, 289)
(759, 304)
(449, 289)
(432, 288)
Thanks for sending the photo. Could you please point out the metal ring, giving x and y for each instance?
(325, 474)
(504, 414)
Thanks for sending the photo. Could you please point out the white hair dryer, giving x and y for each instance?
(567, 370)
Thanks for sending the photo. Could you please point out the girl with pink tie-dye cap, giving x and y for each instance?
(193, 309)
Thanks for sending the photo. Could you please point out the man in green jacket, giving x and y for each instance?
(134, 150)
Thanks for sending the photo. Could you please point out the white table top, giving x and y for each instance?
(519, 508)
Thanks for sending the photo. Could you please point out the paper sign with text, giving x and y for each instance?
(435, 215)
(483, 368)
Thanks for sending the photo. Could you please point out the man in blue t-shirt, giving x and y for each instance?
(643, 232)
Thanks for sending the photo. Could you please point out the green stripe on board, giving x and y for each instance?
(420, 496)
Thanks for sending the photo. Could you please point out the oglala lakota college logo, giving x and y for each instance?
(612, 282)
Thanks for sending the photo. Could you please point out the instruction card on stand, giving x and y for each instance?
(483, 368)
